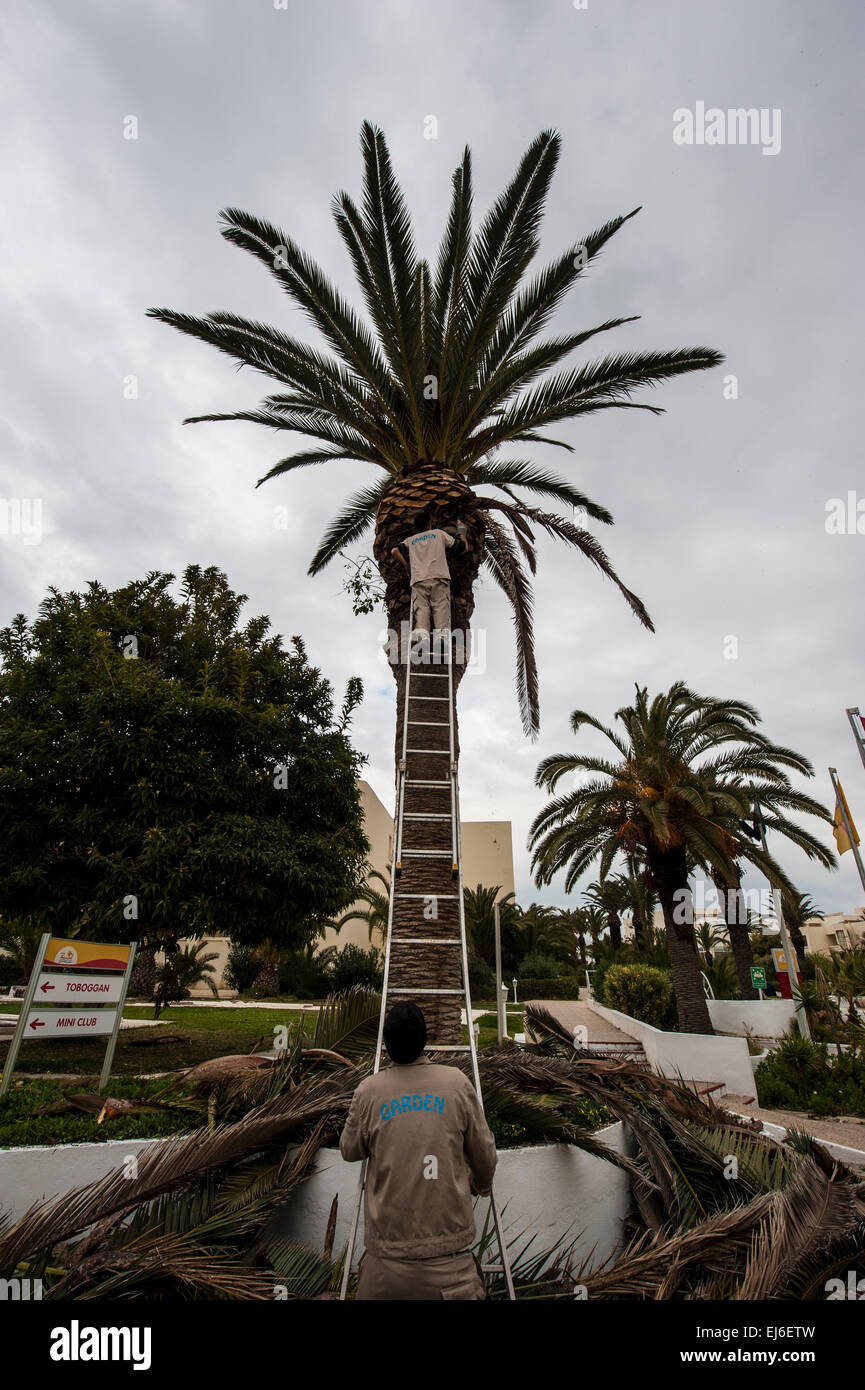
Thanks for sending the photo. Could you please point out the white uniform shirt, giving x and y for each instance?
(427, 555)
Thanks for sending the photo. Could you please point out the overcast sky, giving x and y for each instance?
(719, 505)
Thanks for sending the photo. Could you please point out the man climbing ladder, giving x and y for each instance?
(416, 1123)
(429, 572)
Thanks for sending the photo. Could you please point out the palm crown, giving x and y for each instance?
(672, 789)
(451, 368)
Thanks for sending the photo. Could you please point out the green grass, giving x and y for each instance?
(186, 1037)
(488, 1036)
(20, 1127)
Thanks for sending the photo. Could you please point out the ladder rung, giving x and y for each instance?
(445, 752)
(398, 893)
(447, 1047)
(414, 782)
(427, 852)
(430, 723)
(492, 1269)
(431, 675)
(442, 698)
(425, 941)
(407, 989)
(426, 815)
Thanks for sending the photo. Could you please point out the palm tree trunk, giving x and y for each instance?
(740, 939)
(670, 873)
(639, 929)
(615, 925)
(426, 892)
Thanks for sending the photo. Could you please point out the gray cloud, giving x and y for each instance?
(719, 505)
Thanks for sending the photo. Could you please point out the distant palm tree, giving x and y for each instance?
(377, 900)
(613, 897)
(479, 909)
(543, 932)
(579, 923)
(450, 371)
(676, 794)
(775, 797)
(799, 909)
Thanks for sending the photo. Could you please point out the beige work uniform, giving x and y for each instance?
(418, 1124)
(430, 579)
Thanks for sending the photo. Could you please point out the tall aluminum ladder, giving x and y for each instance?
(502, 1265)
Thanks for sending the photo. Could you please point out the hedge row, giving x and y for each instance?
(565, 987)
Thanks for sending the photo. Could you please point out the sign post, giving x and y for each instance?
(67, 974)
(18, 1036)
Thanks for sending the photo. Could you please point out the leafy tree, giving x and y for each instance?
(168, 774)
(688, 769)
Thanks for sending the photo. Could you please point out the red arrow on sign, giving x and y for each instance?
(46, 986)
(37, 1023)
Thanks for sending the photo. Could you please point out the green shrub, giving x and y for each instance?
(564, 987)
(803, 1075)
(304, 973)
(537, 967)
(641, 991)
(354, 966)
(10, 973)
(482, 980)
(241, 968)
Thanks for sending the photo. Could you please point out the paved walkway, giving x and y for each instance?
(835, 1129)
(575, 1013)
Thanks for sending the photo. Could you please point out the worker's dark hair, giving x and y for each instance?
(405, 1032)
(422, 519)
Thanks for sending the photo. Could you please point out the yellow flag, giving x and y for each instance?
(842, 839)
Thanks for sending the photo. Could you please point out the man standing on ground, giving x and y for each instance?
(428, 570)
(417, 1123)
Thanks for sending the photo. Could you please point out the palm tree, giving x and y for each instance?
(579, 923)
(660, 799)
(479, 910)
(542, 932)
(845, 971)
(775, 797)
(451, 369)
(799, 909)
(377, 901)
(613, 897)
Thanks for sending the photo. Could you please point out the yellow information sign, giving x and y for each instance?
(87, 955)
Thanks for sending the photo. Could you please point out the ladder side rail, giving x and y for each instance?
(455, 804)
(400, 796)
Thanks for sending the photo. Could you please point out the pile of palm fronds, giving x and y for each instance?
(719, 1211)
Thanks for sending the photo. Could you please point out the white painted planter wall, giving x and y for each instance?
(765, 1018)
(34, 1175)
(693, 1056)
(553, 1190)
